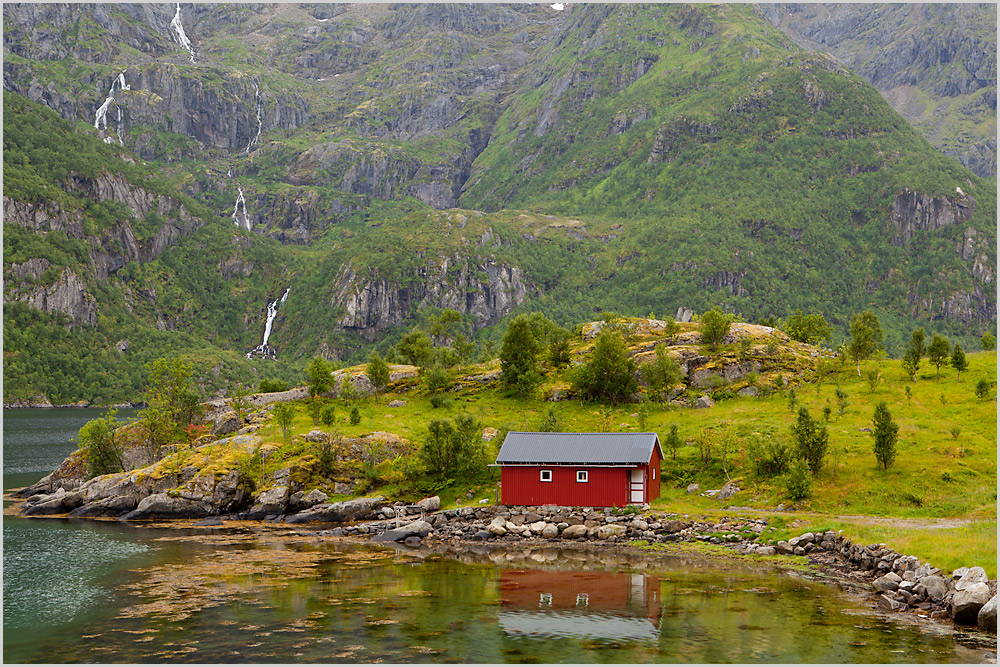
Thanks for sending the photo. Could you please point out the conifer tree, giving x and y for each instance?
(885, 432)
(958, 360)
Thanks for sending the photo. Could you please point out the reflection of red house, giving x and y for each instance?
(579, 469)
(609, 605)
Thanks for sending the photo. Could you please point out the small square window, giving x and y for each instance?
(545, 476)
(581, 475)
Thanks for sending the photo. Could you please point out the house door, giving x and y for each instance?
(637, 486)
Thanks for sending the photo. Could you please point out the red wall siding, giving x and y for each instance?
(653, 485)
(520, 485)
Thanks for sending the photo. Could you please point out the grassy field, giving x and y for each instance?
(945, 467)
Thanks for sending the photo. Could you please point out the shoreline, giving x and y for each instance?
(451, 533)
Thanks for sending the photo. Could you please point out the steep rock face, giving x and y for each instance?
(922, 58)
(912, 212)
(43, 217)
(67, 295)
(373, 303)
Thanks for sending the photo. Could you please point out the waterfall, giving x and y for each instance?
(260, 123)
(182, 37)
(272, 311)
(240, 199)
(101, 115)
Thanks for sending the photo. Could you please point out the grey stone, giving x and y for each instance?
(550, 530)
(113, 506)
(799, 551)
(415, 529)
(397, 403)
(693, 488)
(162, 506)
(704, 401)
(412, 541)
(639, 524)
(784, 547)
(431, 504)
(888, 582)
(342, 489)
(573, 532)
(347, 510)
(674, 526)
(973, 575)
(888, 603)
(966, 604)
(987, 617)
(959, 573)
(766, 551)
(935, 586)
(210, 521)
(498, 526)
(317, 436)
(610, 530)
(728, 491)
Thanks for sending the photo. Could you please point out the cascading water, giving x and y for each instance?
(238, 220)
(182, 37)
(260, 123)
(272, 311)
(101, 115)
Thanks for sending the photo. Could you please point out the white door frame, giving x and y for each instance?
(637, 486)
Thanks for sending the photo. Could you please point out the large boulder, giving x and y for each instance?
(417, 528)
(301, 500)
(270, 501)
(610, 530)
(970, 576)
(573, 532)
(498, 526)
(728, 491)
(704, 401)
(226, 423)
(163, 506)
(966, 604)
(935, 586)
(987, 619)
(356, 509)
(432, 504)
(113, 506)
(887, 582)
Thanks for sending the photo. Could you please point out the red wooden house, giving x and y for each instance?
(579, 469)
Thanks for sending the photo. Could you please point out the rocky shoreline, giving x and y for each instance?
(892, 582)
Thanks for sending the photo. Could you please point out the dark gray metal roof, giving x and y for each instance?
(579, 448)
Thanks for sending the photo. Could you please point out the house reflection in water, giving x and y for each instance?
(593, 605)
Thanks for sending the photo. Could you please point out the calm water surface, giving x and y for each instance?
(79, 591)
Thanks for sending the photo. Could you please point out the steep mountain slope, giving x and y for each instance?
(609, 157)
(935, 63)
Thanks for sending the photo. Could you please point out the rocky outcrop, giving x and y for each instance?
(374, 303)
(68, 295)
(912, 212)
(347, 510)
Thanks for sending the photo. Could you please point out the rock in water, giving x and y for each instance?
(966, 604)
(348, 510)
(162, 506)
(416, 529)
(987, 619)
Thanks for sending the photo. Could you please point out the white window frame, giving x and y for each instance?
(543, 474)
(654, 473)
(582, 475)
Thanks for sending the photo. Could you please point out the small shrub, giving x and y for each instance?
(102, 449)
(438, 401)
(873, 377)
(983, 388)
(909, 392)
(328, 415)
(355, 416)
(886, 433)
(768, 458)
(827, 411)
(798, 480)
(315, 410)
(793, 400)
(988, 342)
(325, 459)
(955, 432)
(673, 441)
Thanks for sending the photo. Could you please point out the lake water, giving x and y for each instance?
(105, 591)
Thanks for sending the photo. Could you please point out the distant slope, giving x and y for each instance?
(935, 63)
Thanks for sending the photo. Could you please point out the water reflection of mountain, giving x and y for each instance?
(595, 605)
